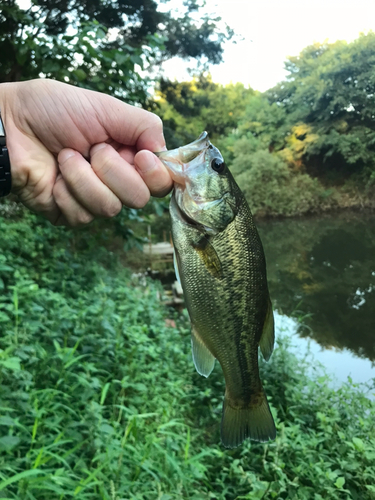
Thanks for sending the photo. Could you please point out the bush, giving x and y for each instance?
(271, 188)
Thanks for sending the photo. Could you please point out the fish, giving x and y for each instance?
(220, 263)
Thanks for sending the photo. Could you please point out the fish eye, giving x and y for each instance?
(217, 165)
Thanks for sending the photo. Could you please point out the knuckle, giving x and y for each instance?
(103, 161)
(103, 167)
(155, 121)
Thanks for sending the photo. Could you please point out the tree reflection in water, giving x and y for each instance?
(323, 269)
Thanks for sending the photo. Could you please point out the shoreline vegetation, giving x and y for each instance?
(100, 398)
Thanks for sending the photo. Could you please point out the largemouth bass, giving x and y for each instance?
(220, 263)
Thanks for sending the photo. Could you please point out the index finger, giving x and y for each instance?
(130, 125)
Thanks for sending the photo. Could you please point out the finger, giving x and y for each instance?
(72, 212)
(131, 125)
(121, 177)
(85, 186)
(154, 173)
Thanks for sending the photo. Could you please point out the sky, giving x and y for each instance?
(271, 31)
(340, 363)
(275, 29)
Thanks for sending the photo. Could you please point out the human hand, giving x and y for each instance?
(77, 154)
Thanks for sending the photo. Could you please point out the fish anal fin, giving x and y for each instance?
(209, 257)
(267, 338)
(204, 361)
(254, 421)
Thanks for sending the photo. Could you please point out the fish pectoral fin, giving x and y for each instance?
(176, 269)
(267, 338)
(204, 361)
(209, 257)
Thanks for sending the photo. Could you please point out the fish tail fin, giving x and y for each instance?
(254, 421)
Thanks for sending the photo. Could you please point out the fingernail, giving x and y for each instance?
(97, 147)
(65, 154)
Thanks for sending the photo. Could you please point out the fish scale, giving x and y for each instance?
(222, 269)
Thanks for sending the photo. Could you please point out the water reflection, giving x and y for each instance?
(341, 364)
(324, 270)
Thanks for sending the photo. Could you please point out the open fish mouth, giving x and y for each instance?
(187, 153)
(181, 160)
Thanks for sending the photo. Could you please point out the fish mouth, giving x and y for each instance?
(189, 150)
(179, 161)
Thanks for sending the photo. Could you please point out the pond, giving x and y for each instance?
(321, 274)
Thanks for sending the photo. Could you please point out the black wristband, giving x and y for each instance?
(5, 175)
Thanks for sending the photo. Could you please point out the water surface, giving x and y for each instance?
(321, 274)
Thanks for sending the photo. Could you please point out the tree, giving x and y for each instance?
(330, 88)
(188, 108)
(101, 44)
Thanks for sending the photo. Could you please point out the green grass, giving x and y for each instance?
(99, 398)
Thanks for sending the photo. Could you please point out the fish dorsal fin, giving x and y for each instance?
(267, 338)
(209, 257)
(204, 361)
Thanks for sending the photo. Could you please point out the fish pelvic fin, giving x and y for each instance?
(254, 421)
(204, 361)
(267, 339)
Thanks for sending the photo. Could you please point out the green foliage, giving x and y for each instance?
(103, 45)
(270, 186)
(99, 397)
(330, 88)
(263, 121)
(189, 108)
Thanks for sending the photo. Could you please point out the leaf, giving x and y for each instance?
(104, 392)
(137, 60)
(18, 477)
(3, 317)
(107, 429)
(80, 74)
(340, 481)
(6, 420)
(12, 363)
(7, 443)
(121, 58)
(359, 444)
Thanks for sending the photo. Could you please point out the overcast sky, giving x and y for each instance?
(274, 29)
